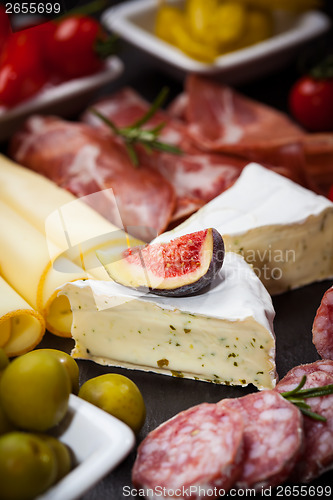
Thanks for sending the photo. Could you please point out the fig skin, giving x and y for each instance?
(205, 280)
(194, 282)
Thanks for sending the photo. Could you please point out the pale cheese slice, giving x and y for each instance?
(224, 335)
(49, 237)
(21, 327)
(26, 265)
(71, 227)
(282, 229)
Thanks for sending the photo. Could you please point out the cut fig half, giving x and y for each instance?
(181, 267)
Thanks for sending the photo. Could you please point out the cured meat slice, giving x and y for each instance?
(196, 177)
(272, 438)
(318, 150)
(85, 160)
(127, 106)
(199, 448)
(317, 456)
(322, 329)
(296, 373)
(220, 119)
(178, 106)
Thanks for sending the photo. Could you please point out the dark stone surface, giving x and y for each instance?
(165, 396)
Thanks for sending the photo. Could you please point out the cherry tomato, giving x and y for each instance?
(72, 48)
(40, 35)
(21, 70)
(311, 103)
(5, 28)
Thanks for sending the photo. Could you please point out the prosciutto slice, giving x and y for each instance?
(197, 178)
(85, 160)
(220, 119)
(318, 150)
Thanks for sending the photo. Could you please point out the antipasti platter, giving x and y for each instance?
(178, 232)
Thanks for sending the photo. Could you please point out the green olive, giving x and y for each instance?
(62, 454)
(4, 361)
(70, 365)
(117, 395)
(34, 390)
(27, 466)
(5, 423)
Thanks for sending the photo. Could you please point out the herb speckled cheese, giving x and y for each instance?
(224, 335)
(282, 229)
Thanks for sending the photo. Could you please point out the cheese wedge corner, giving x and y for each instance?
(223, 336)
(282, 229)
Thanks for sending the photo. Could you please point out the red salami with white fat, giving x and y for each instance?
(296, 374)
(200, 447)
(322, 330)
(272, 438)
(317, 456)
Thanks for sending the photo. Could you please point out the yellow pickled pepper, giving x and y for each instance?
(173, 26)
(194, 34)
(197, 49)
(204, 29)
(167, 17)
(200, 15)
(229, 23)
(259, 27)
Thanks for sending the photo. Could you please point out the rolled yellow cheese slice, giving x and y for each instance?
(21, 327)
(26, 264)
(71, 227)
(48, 238)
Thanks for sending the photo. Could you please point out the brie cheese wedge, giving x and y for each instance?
(282, 229)
(224, 335)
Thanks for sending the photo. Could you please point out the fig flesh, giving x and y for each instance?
(181, 267)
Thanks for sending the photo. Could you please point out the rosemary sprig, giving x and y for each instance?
(134, 134)
(298, 395)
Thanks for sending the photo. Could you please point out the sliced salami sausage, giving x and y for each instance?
(295, 375)
(318, 436)
(272, 438)
(322, 330)
(198, 449)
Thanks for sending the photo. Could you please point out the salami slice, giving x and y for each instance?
(295, 375)
(199, 449)
(272, 438)
(318, 436)
(322, 330)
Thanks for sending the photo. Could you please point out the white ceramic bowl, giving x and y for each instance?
(99, 443)
(64, 100)
(134, 21)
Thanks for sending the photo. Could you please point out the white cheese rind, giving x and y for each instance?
(224, 335)
(284, 230)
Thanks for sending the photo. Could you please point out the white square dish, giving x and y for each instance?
(134, 21)
(99, 443)
(64, 100)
